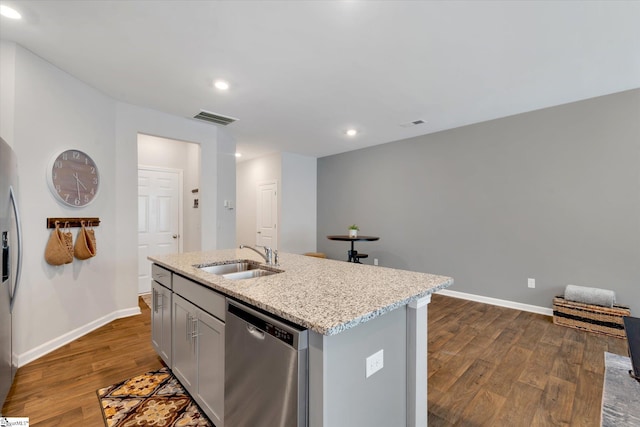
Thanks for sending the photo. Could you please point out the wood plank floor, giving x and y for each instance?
(488, 366)
(59, 389)
(494, 366)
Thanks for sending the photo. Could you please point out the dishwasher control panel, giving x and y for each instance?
(279, 333)
(264, 325)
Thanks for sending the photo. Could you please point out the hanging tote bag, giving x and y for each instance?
(59, 248)
(85, 247)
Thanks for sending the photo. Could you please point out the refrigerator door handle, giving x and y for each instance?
(6, 262)
(16, 214)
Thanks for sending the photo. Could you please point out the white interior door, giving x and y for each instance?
(159, 218)
(267, 215)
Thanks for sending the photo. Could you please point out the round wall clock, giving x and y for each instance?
(73, 178)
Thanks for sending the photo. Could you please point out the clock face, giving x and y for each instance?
(73, 178)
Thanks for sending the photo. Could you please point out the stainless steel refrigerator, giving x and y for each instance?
(11, 243)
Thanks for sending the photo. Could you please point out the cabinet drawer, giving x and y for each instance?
(161, 275)
(205, 298)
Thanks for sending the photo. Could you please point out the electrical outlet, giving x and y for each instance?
(375, 261)
(531, 282)
(375, 362)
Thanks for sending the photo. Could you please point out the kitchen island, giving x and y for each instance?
(351, 312)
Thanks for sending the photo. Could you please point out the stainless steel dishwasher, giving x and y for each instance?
(265, 370)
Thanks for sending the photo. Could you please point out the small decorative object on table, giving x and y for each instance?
(353, 230)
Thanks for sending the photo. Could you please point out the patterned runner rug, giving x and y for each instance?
(621, 393)
(155, 398)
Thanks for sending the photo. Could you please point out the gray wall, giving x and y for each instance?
(552, 194)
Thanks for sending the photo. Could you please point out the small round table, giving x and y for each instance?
(346, 238)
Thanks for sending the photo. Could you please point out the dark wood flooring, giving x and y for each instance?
(59, 389)
(494, 366)
(488, 366)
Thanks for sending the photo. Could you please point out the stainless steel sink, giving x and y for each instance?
(230, 267)
(249, 274)
(239, 269)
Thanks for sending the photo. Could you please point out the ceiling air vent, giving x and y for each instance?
(412, 123)
(218, 119)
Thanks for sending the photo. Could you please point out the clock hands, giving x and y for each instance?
(75, 175)
(78, 183)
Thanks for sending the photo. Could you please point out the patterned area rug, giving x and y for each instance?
(621, 393)
(152, 399)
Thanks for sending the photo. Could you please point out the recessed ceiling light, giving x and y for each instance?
(7, 12)
(221, 84)
(351, 132)
(238, 154)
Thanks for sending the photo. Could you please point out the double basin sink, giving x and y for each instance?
(239, 269)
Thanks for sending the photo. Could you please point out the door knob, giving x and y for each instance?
(259, 232)
(175, 236)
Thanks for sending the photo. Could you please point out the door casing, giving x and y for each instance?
(155, 230)
(267, 214)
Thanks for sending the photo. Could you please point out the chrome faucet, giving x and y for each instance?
(268, 254)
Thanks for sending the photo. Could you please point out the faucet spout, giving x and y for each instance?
(267, 255)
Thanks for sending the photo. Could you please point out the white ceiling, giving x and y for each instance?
(302, 72)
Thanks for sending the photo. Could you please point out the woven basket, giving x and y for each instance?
(591, 318)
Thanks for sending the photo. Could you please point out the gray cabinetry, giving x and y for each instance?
(161, 321)
(198, 345)
(161, 296)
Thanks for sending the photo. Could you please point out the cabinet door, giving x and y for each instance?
(165, 300)
(210, 387)
(156, 319)
(161, 321)
(184, 342)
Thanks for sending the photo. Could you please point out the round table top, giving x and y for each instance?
(347, 238)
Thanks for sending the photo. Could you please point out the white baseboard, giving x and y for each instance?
(499, 302)
(56, 343)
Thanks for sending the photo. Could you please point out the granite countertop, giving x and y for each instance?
(326, 296)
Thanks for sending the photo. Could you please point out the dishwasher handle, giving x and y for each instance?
(255, 332)
(261, 325)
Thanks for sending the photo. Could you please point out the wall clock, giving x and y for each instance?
(73, 178)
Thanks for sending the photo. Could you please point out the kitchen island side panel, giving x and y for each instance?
(340, 395)
(417, 369)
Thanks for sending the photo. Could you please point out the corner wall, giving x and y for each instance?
(51, 112)
(297, 194)
(226, 189)
(553, 194)
(130, 121)
(248, 174)
(48, 111)
(184, 156)
(299, 197)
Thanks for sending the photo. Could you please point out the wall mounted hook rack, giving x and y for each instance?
(73, 222)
